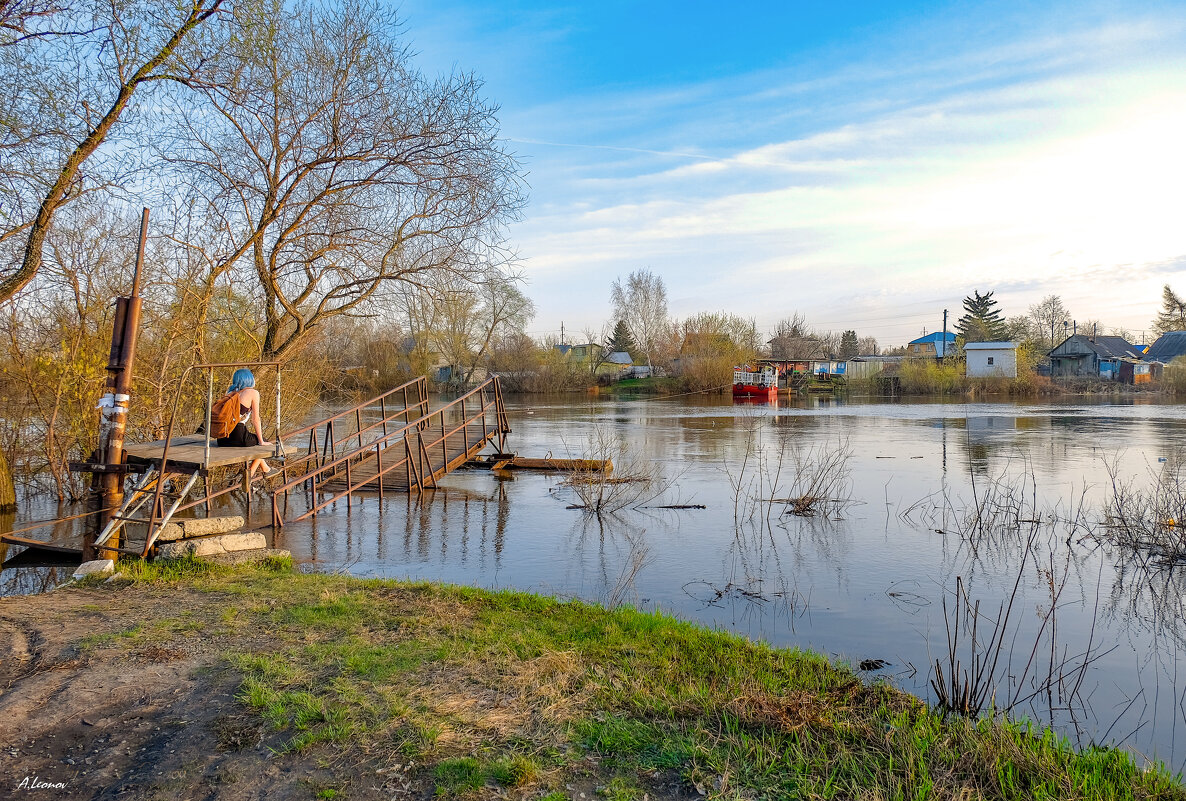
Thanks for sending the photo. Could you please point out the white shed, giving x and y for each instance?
(991, 359)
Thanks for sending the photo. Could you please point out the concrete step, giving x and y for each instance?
(211, 546)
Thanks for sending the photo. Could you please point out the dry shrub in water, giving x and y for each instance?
(633, 481)
(1148, 515)
(807, 480)
(978, 673)
(821, 478)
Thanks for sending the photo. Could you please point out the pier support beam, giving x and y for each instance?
(108, 485)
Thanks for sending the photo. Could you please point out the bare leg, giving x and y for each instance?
(258, 464)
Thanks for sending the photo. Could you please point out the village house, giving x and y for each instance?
(934, 346)
(587, 354)
(1107, 357)
(1168, 347)
(991, 359)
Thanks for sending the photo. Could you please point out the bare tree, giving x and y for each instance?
(642, 302)
(68, 74)
(333, 171)
(598, 353)
(1048, 315)
(1022, 328)
(470, 320)
(713, 344)
(793, 339)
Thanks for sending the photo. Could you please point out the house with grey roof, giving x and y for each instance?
(1101, 356)
(1168, 347)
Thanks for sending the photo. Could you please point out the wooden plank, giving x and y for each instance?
(526, 463)
(56, 547)
(190, 451)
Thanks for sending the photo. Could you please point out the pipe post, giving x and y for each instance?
(113, 406)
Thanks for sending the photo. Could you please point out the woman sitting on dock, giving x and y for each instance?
(243, 384)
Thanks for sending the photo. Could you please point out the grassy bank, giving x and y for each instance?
(659, 385)
(469, 693)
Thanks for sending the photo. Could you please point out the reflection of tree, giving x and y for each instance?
(31, 579)
(622, 551)
(1149, 598)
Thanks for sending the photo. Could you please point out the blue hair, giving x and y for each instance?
(242, 379)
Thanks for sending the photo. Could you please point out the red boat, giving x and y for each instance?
(756, 385)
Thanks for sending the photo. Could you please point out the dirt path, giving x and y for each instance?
(84, 716)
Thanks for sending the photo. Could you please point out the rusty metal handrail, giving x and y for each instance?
(380, 444)
(419, 422)
(422, 402)
(443, 438)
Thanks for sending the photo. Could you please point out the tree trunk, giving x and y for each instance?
(7, 485)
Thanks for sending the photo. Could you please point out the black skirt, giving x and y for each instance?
(239, 437)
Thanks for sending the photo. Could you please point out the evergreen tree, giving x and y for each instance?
(982, 320)
(1172, 316)
(620, 340)
(848, 345)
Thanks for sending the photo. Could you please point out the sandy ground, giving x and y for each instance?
(157, 721)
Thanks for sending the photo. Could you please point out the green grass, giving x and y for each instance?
(516, 690)
(659, 385)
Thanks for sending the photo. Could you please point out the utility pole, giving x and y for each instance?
(113, 408)
(945, 333)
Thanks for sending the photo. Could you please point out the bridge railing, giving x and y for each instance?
(326, 440)
(481, 405)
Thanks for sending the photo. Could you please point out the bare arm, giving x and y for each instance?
(255, 421)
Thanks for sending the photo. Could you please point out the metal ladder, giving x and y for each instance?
(144, 491)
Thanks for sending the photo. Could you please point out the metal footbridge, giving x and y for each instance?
(393, 442)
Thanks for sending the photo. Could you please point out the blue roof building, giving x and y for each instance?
(936, 345)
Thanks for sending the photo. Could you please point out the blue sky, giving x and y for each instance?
(867, 164)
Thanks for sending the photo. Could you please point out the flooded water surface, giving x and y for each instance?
(1095, 636)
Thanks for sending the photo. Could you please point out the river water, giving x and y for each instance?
(867, 578)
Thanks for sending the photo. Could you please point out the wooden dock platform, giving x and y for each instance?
(407, 449)
(190, 452)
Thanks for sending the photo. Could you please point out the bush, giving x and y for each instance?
(930, 377)
(1173, 377)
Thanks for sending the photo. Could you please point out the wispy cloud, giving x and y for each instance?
(1026, 165)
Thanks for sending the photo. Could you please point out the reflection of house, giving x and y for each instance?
(934, 346)
(1083, 355)
(991, 359)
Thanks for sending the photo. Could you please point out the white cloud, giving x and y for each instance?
(1029, 185)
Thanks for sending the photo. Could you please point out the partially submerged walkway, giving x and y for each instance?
(393, 442)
